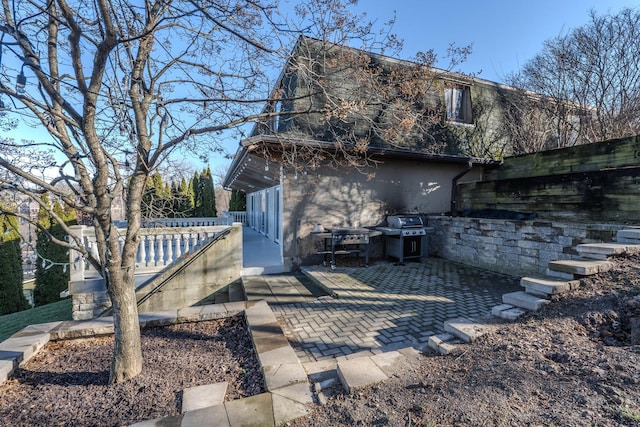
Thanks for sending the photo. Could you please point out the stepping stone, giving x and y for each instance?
(465, 329)
(443, 343)
(203, 396)
(628, 235)
(560, 275)
(19, 348)
(359, 373)
(251, 411)
(285, 409)
(524, 300)
(7, 365)
(496, 310)
(507, 311)
(580, 267)
(538, 286)
(203, 417)
(602, 250)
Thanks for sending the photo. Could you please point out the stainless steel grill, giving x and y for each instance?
(345, 241)
(405, 237)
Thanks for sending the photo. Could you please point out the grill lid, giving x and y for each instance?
(404, 221)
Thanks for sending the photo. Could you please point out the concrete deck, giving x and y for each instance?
(260, 254)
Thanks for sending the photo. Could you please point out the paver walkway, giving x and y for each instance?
(380, 308)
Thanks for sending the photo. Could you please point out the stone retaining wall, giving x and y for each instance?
(519, 248)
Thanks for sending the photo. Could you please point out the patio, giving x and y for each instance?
(376, 309)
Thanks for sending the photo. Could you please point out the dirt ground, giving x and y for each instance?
(65, 384)
(574, 363)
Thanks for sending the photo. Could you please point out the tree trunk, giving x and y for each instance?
(127, 353)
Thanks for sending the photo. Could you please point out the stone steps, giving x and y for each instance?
(524, 300)
(444, 343)
(628, 235)
(562, 274)
(458, 331)
(562, 277)
(544, 287)
(601, 251)
(574, 268)
(507, 311)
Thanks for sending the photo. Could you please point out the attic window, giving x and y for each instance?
(458, 102)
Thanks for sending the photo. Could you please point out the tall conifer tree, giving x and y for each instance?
(11, 296)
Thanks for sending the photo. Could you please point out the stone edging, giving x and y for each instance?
(288, 391)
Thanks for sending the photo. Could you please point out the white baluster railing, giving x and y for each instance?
(158, 247)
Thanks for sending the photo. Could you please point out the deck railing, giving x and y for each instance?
(159, 246)
(236, 216)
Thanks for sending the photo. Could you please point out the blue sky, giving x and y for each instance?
(505, 34)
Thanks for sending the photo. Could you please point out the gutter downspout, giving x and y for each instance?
(454, 185)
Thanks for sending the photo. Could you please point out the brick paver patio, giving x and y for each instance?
(380, 308)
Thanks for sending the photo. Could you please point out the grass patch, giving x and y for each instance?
(628, 414)
(12, 323)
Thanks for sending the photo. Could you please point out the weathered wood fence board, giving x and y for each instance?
(612, 154)
(595, 182)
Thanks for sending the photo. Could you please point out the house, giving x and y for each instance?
(351, 137)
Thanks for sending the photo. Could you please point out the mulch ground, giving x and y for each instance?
(66, 383)
(574, 363)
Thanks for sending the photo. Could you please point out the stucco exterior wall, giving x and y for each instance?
(350, 198)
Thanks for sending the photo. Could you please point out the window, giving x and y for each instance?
(458, 102)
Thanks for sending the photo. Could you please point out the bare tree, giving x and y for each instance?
(589, 80)
(118, 83)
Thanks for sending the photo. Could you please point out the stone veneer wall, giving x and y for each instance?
(519, 248)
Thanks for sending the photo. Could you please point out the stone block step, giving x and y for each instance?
(443, 343)
(580, 267)
(203, 396)
(560, 275)
(359, 373)
(507, 311)
(603, 250)
(524, 300)
(628, 235)
(544, 287)
(465, 329)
